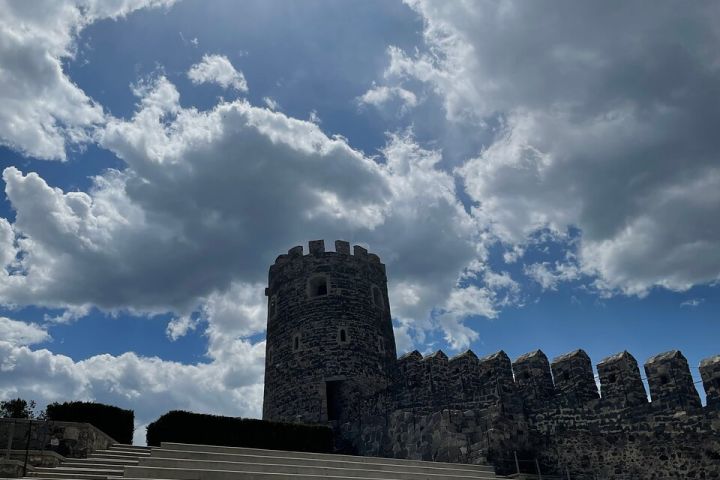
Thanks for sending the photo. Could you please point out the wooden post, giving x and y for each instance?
(517, 464)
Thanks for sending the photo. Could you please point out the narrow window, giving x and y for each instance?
(381, 344)
(272, 307)
(612, 378)
(296, 342)
(317, 286)
(664, 380)
(343, 335)
(377, 297)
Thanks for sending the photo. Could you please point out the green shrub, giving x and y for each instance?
(114, 421)
(186, 427)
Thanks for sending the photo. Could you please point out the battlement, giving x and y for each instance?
(710, 373)
(574, 379)
(671, 383)
(466, 381)
(317, 247)
(532, 377)
(620, 380)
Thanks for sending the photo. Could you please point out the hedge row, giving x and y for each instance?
(186, 427)
(114, 421)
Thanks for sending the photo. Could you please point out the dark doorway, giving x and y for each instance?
(334, 398)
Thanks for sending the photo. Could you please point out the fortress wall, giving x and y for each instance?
(563, 422)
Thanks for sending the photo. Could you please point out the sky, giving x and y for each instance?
(533, 174)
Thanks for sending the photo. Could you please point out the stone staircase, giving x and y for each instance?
(175, 461)
(101, 465)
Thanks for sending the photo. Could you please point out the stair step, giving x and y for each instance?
(128, 449)
(128, 446)
(198, 451)
(115, 462)
(294, 470)
(71, 469)
(98, 465)
(69, 476)
(281, 464)
(110, 455)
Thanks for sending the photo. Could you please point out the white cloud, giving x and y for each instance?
(42, 109)
(180, 326)
(549, 276)
(692, 303)
(604, 133)
(271, 103)
(147, 385)
(380, 95)
(217, 69)
(209, 199)
(21, 333)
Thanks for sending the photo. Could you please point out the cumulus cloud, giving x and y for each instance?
(206, 202)
(550, 275)
(604, 133)
(217, 69)
(42, 109)
(380, 95)
(21, 333)
(147, 385)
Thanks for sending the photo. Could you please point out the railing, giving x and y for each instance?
(41, 430)
(535, 468)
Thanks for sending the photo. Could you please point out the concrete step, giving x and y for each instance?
(172, 450)
(65, 469)
(119, 463)
(107, 454)
(202, 475)
(96, 465)
(203, 472)
(118, 447)
(283, 476)
(295, 458)
(69, 476)
(131, 447)
(282, 464)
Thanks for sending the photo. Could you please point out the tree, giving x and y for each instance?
(17, 408)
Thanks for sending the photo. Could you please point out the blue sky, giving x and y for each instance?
(530, 182)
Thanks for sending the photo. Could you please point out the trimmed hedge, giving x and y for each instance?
(187, 427)
(114, 421)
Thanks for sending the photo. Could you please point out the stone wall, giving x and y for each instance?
(552, 412)
(69, 439)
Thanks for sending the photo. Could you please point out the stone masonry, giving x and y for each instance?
(331, 358)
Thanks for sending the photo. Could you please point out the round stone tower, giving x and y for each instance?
(330, 340)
